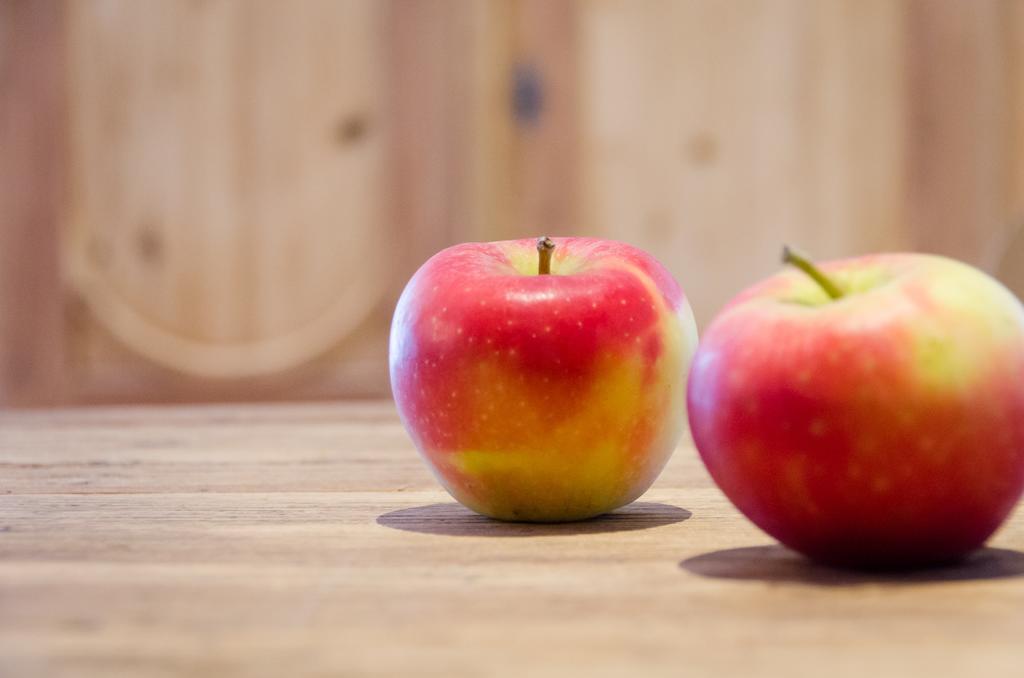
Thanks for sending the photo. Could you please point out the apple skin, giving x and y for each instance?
(884, 429)
(543, 398)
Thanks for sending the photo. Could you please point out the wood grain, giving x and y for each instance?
(961, 127)
(310, 541)
(545, 164)
(714, 132)
(226, 216)
(434, 93)
(32, 193)
(235, 220)
(485, 121)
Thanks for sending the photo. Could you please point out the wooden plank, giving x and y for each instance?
(32, 192)
(714, 132)
(432, 95)
(960, 152)
(309, 541)
(227, 199)
(484, 106)
(1008, 253)
(543, 98)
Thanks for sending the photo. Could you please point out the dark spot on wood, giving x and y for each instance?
(702, 149)
(351, 129)
(149, 243)
(527, 94)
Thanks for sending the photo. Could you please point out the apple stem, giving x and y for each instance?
(804, 264)
(545, 246)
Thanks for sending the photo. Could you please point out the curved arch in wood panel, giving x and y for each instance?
(226, 178)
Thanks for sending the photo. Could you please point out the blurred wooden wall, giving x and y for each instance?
(221, 199)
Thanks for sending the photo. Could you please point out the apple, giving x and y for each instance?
(869, 413)
(543, 380)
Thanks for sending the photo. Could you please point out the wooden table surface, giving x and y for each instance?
(310, 540)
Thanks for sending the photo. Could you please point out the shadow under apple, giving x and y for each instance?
(453, 519)
(775, 563)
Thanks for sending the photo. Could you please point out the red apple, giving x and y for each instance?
(543, 384)
(880, 428)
